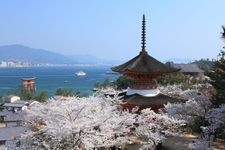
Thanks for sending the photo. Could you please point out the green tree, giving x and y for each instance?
(97, 85)
(218, 80)
(1, 103)
(123, 82)
(205, 64)
(1, 100)
(67, 92)
(42, 97)
(218, 77)
(106, 83)
(63, 92)
(27, 95)
(173, 78)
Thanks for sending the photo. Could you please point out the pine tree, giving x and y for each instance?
(218, 77)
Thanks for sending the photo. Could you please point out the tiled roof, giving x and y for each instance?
(10, 133)
(17, 105)
(160, 99)
(188, 68)
(14, 117)
(144, 63)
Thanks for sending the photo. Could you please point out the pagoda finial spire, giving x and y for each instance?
(143, 38)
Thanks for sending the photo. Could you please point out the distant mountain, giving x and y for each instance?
(36, 56)
(27, 54)
(89, 59)
(179, 60)
(205, 64)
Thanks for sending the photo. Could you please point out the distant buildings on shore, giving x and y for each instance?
(17, 63)
(14, 64)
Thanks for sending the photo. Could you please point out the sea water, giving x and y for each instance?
(50, 79)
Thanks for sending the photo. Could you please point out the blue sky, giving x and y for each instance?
(112, 29)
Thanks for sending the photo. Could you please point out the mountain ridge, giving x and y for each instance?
(24, 53)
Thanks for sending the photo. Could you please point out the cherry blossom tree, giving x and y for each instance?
(152, 127)
(216, 120)
(93, 122)
(198, 105)
(80, 122)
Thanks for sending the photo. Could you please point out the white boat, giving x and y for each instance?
(80, 73)
(66, 81)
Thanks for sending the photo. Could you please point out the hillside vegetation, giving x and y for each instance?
(204, 64)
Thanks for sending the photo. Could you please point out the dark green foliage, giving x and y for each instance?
(218, 80)
(218, 77)
(223, 34)
(63, 92)
(205, 64)
(1, 100)
(104, 85)
(1, 103)
(178, 78)
(97, 85)
(198, 123)
(220, 133)
(173, 78)
(26, 95)
(67, 92)
(1, 120)
(42, 97)
(123, 82)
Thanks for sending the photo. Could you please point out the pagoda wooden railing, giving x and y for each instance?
(143, 85)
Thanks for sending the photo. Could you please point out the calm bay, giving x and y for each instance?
(49, 79)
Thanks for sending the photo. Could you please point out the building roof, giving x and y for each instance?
(144, 63)
(13, 117)
(16, 105)
(160, 99)
(11, 133)
(11, 98)
(3, 113)
(188, 68)
(21, 102)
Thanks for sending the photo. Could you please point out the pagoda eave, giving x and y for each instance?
(136, 75)
(153, 102)
(130, 107)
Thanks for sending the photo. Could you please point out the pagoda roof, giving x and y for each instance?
(144, 63)
(158, 100)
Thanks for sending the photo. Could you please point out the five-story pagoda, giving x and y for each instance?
(144, 69)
